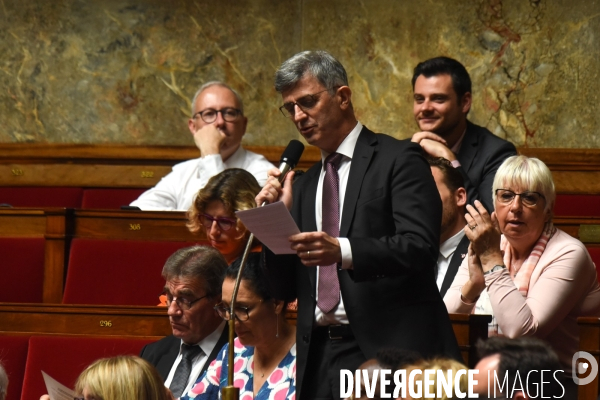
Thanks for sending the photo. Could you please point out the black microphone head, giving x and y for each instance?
(291, 154)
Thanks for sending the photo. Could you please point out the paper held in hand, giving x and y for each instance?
(272, 225)
(56, 390)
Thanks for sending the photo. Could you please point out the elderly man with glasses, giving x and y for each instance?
(218, 125)
(194, 278)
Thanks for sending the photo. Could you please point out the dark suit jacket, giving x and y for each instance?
(162, 354)
(391, 216)
(480, 155)
(455, 262)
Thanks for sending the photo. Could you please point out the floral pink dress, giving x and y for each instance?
(281, 384)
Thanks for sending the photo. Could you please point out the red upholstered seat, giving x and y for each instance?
(13, 354)
(577, 205)
(111, 199)
(21, 269)
(41, 196)
(64, 358)
(117, 272)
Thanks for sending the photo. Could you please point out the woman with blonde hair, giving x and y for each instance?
(213, 211)
(534, 279)
(3, 382)
(120, 378)
(449, 369)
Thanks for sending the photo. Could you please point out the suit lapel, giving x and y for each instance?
(468, 148)
(166, 362)
(455, 262)
(361, 158)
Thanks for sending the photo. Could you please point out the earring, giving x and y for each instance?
(277, 332)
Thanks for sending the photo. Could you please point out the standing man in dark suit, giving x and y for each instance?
(369, 214)
(453, 241)
(194, 277)
(442, 100)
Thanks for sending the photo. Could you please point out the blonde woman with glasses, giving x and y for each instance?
(532, 277)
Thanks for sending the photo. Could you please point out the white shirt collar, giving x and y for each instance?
(346, 148)
(447, 248)
(208, 343)
(236, 159)
(456, 148)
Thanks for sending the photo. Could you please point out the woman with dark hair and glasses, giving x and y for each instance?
(534, 279)
(265, 347)
(213, 210)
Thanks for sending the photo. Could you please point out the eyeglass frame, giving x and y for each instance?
(223, 311)
(201, 113)
(179, 301)
(290, 114)
(520, 195)
(212, 219)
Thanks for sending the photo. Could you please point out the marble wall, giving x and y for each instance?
(124, 71)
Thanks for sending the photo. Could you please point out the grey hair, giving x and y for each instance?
(217, 83)
(527, 173)
(319, 64)
(198, 262)
(3, 382)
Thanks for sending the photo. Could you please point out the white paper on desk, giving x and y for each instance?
(56, 390)
(272, 225)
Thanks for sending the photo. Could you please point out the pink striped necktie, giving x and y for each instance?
(329, 286)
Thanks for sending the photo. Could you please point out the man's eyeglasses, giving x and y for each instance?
(182, 302)
(529, 199)
(224, 223)
(305, 103)
(242, 314)
(210, 114)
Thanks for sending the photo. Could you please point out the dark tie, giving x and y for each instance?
(182, 373)
(329, 286)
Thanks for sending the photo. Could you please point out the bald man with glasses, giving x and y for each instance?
(218, 125)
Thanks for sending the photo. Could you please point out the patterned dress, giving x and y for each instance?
(280, 385)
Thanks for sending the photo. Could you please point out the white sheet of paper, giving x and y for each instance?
(272, 225)
(56, 390)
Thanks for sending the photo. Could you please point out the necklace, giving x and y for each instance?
(262, 374)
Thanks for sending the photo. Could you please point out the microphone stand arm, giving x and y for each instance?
(230, 392)
(289, 159)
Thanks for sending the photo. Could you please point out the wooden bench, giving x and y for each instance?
(153, 323)
(63, 319)
(575, 171)
(114, 166)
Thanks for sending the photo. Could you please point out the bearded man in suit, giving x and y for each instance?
(369, 215)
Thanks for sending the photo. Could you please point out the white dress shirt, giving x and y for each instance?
(207, 345)
(177, 190)
(446, 252)
(346, 148)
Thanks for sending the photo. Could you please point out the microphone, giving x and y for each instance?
(290, 157)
